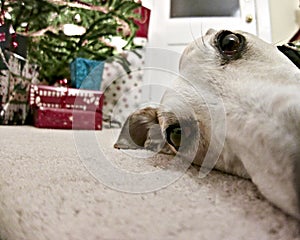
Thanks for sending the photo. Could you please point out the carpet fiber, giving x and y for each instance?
(46, 192)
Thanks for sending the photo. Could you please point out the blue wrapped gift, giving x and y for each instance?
(86, 74)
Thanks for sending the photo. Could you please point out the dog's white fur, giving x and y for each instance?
(260, 94)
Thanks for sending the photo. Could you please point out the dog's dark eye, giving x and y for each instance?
(230, 44)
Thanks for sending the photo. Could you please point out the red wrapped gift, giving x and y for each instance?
(143, 23)
(67, 119)
(66, 108)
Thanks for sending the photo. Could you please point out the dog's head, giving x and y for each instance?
(230, 65)
(238, 101)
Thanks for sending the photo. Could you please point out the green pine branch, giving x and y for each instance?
(51, 49)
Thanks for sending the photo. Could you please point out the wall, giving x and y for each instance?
(284, 14)
(285, 19)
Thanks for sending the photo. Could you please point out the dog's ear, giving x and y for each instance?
(142, 130)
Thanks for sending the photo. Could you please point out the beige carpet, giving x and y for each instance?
(46, 192)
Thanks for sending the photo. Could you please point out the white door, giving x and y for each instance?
(175, 23)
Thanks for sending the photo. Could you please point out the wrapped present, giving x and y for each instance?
(86, 74)
(66, 108)
(5, 36)
(143, 22)
(57, 118)
(4, 44)
(11, 42)
(19, 44)
(14, 88)
(122, 90)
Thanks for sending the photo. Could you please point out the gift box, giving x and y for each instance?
(14, 89)
(4, 44)
(86, 74)
(57, 118)
(66, 108)
(143, 22)
(19, 45)
(123, 90)
(5, 36)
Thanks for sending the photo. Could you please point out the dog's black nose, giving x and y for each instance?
(173, 133)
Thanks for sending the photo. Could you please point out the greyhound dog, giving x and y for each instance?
(234, 107)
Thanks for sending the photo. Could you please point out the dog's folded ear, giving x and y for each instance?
(142, 130)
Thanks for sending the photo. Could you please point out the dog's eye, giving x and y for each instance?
(229, 44)
(174, 136)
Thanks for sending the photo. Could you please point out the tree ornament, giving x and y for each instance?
(14, 42)
(2, 19)
(77, 18)
(63, 82)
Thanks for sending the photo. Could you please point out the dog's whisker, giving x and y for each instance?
(202, 36)
(194, 38)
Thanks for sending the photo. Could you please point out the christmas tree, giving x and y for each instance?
(58, 31)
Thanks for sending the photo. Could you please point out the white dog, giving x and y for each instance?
(236, 107)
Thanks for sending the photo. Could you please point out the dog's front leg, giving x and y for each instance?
(268, 142)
